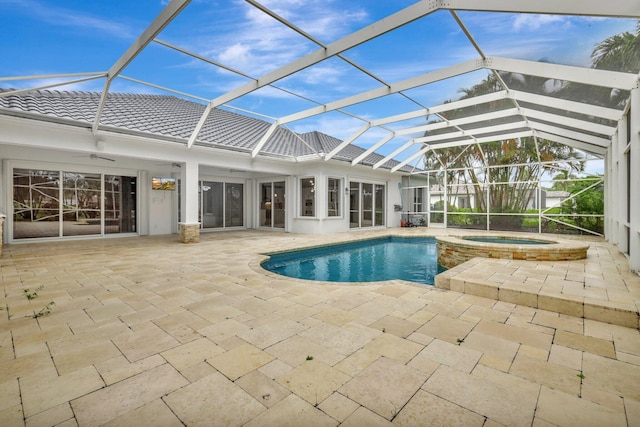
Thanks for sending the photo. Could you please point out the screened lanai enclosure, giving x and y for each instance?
(495, 115)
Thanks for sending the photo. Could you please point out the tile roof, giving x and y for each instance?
(170, 117)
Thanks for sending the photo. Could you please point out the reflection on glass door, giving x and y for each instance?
(272, 204)
(36, 203)
(81, 213)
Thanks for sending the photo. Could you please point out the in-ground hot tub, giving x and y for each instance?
(453, 251)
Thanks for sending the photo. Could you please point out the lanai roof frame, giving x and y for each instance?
(537, 122)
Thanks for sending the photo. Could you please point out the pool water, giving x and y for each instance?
(507, 241)
(411, 259)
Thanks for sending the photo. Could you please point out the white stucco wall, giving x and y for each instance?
(33, 144)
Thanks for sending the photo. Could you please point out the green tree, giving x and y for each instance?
(586, 201)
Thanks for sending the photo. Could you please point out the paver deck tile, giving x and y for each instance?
(239, 360)
(516, 334)
(155, 413)
(292, 412)
(447, 328)
(145, 340)
(119, 368)
(491, 345)
(394, 347)
(111, 402)
(338, 406)
(430, 410)
(384, 387)
(264, 389)
(581, 342)
(612, 375)
(196, 405)
(546, 373)
(313, 381)
(559, 408)
(455, 356)
(364, 417)
(296, 349)
(511, 406)
(70, 357)
(269, 333)
(565, 356)
(191, 353)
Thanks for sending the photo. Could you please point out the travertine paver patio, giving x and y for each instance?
(148, 331)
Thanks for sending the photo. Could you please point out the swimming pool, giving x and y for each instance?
(407, 258)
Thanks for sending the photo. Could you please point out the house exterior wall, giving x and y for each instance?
(35, 144)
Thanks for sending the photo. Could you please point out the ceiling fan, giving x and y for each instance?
(96, 157)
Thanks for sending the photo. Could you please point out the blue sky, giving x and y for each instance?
(66, 36)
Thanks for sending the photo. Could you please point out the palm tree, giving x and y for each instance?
(620, 52)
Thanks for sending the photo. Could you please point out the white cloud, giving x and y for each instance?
(524, 21)
(321, 74)
(63, 17)
(260, 44)
(237, 55)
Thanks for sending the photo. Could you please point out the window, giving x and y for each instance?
(333, 196)
(308, 197)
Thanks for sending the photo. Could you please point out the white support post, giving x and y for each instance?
(634, 180)
(189, 200)
(486, 196)
(445, 205)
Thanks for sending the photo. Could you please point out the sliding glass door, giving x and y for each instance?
(53, 203)
(222, 204)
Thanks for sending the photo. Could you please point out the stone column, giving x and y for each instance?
(190, 233)
(189, 189)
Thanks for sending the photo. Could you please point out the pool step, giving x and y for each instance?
(538, 285)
